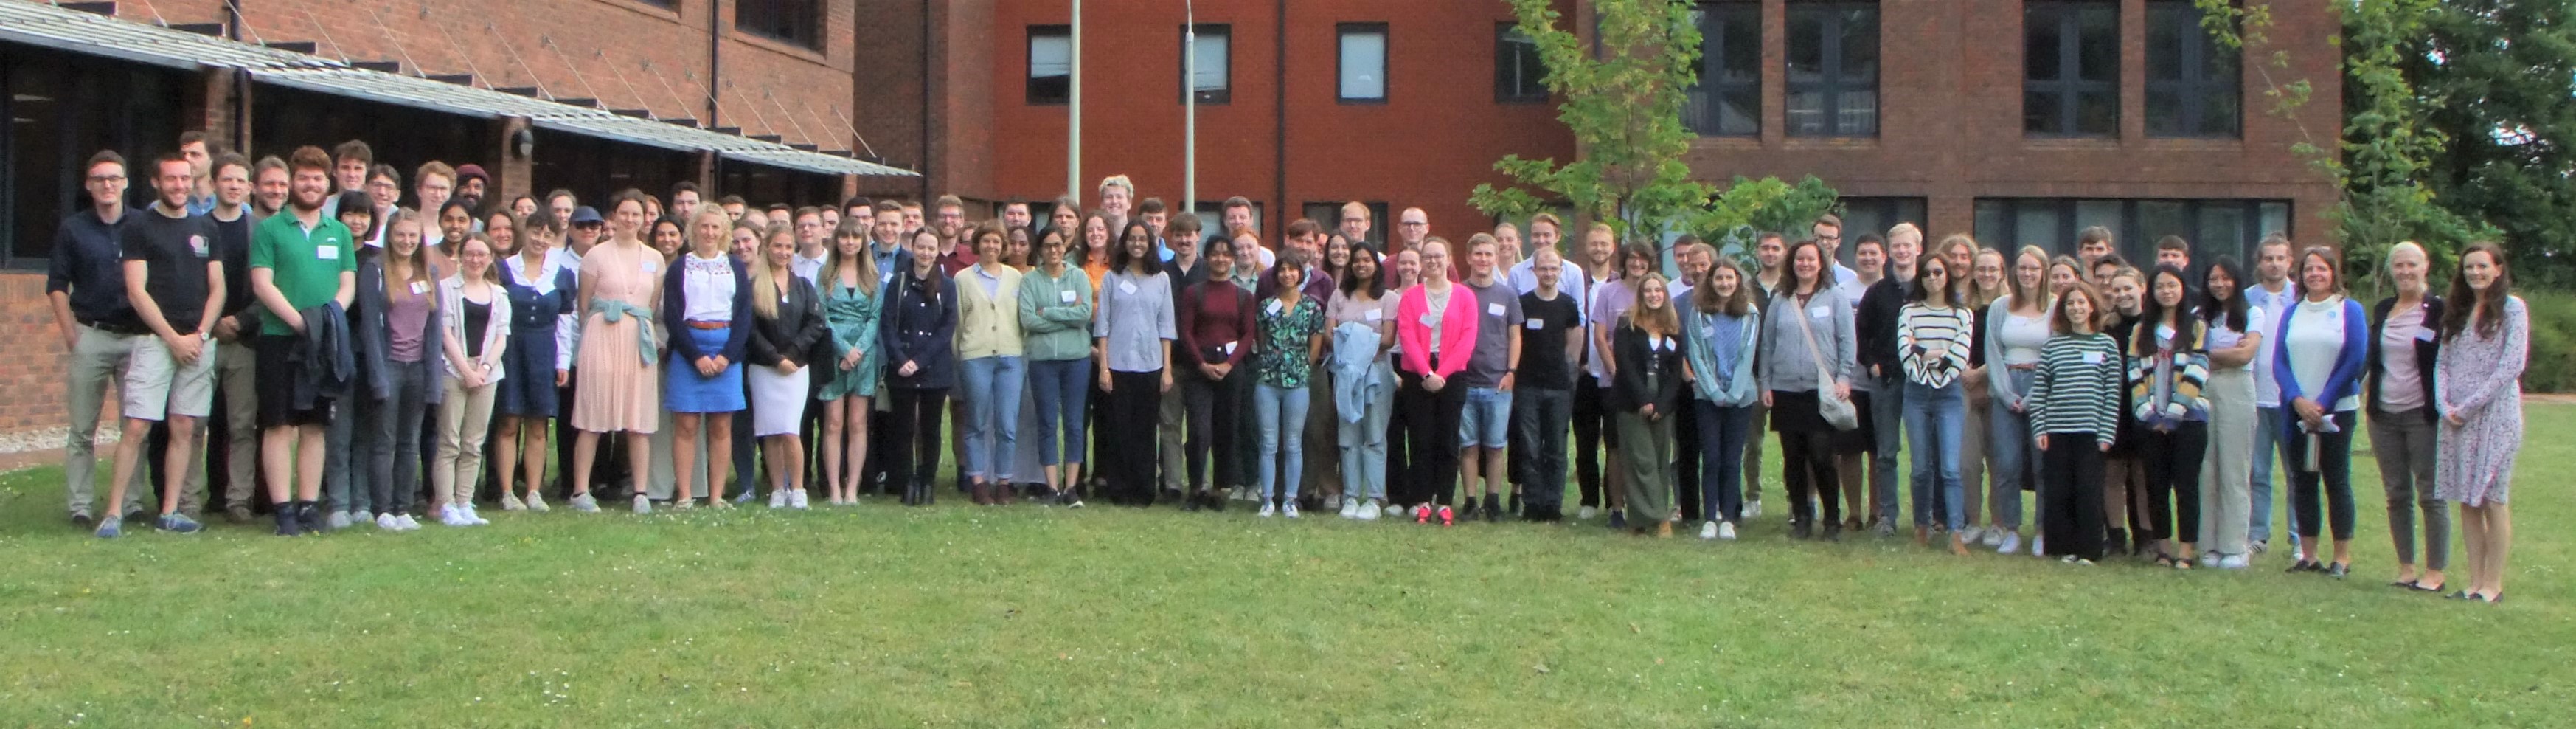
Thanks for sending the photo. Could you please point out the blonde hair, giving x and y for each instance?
(764, 278)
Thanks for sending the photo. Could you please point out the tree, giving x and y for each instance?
(2496, 77)
(1748, 208)
(1624, 109)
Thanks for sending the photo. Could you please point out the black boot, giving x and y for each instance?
(308, 517)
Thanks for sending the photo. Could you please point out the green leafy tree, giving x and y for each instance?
(1751, 207)
(2496, 77)
(1624, 109)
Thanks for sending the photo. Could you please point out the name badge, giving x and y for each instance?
(1274, 307)
(1373, 315)
(1431, 320)
(1493, 309)
(327, 253)
(1229, 348)
(1127, 287)
(1534, 324)
(1708, 332)
(2092, 358)
(418, 288)
(2164, 331)
(2423, 334)
(1819, 312)
(651, 266)
(1065, 296)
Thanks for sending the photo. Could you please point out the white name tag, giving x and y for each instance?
(2164, 331)
(1065, 296)
(2423, 334)
(418, 288)
(1373, 315)
(2092, 358)
(1819, 312)
(1431, 320)
(327, 253)
(1708, 332)
(1493, 309)
(1127, 287)
(1534, 324)
(1229, 348)
(1274, 307)
(650, 267)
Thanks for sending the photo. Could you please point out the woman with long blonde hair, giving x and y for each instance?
(786, 326)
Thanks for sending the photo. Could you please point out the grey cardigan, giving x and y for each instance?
(1785, 365)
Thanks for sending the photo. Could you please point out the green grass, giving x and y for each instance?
(963, 616)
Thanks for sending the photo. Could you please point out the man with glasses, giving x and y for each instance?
(384, 185)
(86, 282)
(1829, 234)
(812, 244)
(951, 227)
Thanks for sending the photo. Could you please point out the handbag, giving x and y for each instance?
(1837, 411)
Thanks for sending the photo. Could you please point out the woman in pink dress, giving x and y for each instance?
(620, 289)
(2486, 334)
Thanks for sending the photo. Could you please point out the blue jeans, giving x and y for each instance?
(1886, 412)
(1062, 386)
(1722, 433)
(1281, 412)
(2268, 445)
(1363, 442)
(992, 391)
(1933, 420)
(393, 443)
(2012, 453)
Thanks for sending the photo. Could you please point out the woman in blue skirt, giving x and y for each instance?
(541, 285)
(707, 309)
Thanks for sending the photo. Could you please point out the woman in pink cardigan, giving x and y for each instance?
(1436, 324)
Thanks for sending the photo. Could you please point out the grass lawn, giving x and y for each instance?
(962, 616)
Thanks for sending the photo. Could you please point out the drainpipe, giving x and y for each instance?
(926, 171)
(708, 160)
(1279, 118)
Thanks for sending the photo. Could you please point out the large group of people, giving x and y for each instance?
(687, 352)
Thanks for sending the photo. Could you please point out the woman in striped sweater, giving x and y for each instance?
(2074, 414)
(1932, 338)
(2168, 367)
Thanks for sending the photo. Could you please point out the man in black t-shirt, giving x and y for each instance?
(1543, 400)
(175, 283)
(232, 219)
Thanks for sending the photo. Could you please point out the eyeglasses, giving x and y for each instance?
(590, 225)
(106, 178)
(1416, 224)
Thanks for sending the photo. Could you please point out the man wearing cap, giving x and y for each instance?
(586, 228)
(471, 181)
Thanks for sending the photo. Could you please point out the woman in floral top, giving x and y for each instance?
(1289, 336)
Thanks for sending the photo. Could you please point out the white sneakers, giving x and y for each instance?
(796, 500)
(1753, 509)
(459, 516)
(1969, 535)
(1289, 510)
(778, 498)
(1370, 512)
(1708, 530)
(1269, 510)
(1726, 531)
(537, 503)
(1995, 536)
(473, 516)
(2039, 545)
(585, 502)
(2011, 543)
(1585, 512)
(643, 504)
(1391, 510)
(1350, 509)
(389, 522)
(510, 502)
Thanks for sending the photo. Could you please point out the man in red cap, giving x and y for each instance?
(471, 180)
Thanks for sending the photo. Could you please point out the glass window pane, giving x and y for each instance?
(2105, 213)
(2097, 112)
(1858, 116)
(2164, 110)
(1050, 54)
(1860, 46)
(1740, 113)
(2276, 218)
(1992, 222)
(1742, 30)
(2160, 218)
(2219, 114)
(2098, 52)
(1210, 51)
(2039, 51)
(1910, 210)
(2166, 23)
(1806, 46)
(1363, 64)
(2035, 223)
(2040, 112)
(1807, 112)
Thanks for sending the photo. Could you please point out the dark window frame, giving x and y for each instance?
(1223, 95)
(2069, 87)
(1028, 71)
(1519, 77)
(1831, 57)
(1701, 110)
(2208, 72)
(2135, 242)
(1342, 33)
(801, 29)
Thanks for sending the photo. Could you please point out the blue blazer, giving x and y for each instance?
(675, 307)
(920, 326)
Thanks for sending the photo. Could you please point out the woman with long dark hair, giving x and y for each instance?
(2168, 376)
(2234, 335)
(1363, 319)
(1808, 350)
(537, 360)
(1132, 344)
(853, 292)
(1288, 339)
(2325, 343)
(1215, 323)
(1933, 333)
(919, 341)
(1650, 370)
(2074, 408)
(2488, 334)
(1721, 329)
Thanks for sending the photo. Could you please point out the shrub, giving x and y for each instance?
(2553, 341)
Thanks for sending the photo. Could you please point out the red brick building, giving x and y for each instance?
(2109, 112)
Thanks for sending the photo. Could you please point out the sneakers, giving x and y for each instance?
(287, 524)
(2039, 545)
(510, 502)
(1585, 513)
(585, 503)
(798, 500)
(1708, 530)
(1969, 535)
(83, 520)
(1269, 510)
(389, 522)
(1619, 519)
(1422, 514)
(643, 504)
(339, 520)
(1494, 510)
(177, 523)
(1371, 511)
(472, 515)
(1886, 528)
(1289, 510)
(110, 528)
(2209, 559)
(1726, 531)
(1350, 509)
(408, 524)
(308, 517)
(2234, 562)
(778, 498)
(1333, 502)
(1390, 511)
(2011, 543)
(746, 496)
(1753, 509)
(1995, 536)
(449, 515)
(1446, 517)
(537, 503)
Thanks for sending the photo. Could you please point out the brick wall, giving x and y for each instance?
(630, 54)
(31, 383)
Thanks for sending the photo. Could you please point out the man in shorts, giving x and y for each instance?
(298, 260)
(1484, 428)
(175, 283)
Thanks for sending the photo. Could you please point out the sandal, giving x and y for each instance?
(2419, 586)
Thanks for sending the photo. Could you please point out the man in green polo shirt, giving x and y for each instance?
(297, 260)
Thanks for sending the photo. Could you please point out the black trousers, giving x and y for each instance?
(2070, 497)
(1591, 429)
(914, 456)
(1686, 436)
(1214, 412)
(1807, 463)
(1431, 435)
(2172, 463)
(2333, 473)
(1135, 406)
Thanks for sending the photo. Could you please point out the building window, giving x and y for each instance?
(1215, 58)
(794, 21)
(2191, 80)
(60, 108)
(1329, 215)
(1362, 63)
(1877, 214)
(2214, 227)
(1833, 69)
(2071, 69)
(1212, 219)
(1050, 65)
(1519, 76)
(1727, 101)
